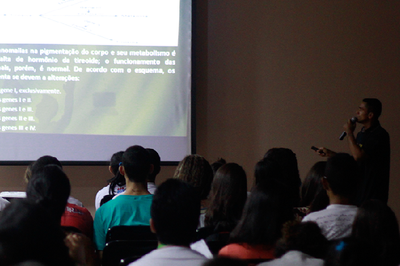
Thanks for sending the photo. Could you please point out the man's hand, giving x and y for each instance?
(349, 127)
(324, 152)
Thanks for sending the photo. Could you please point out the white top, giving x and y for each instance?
(151, 187)
(105, 191)
(335, 221)
(171, 255)
(3, 203)
(294, 257)
(22, 194)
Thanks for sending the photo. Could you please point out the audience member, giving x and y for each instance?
(196, 170)
(227, 198)
(265, 211)
(174, 218)
(339, 182)
(287, 160)
(376, 224)
(131, 207)
(29, 232)
(351, 253)
(115, 185)
(156, 162)
(3, 203)
(301, 244)
(38, 166)
(217, 164)
(313, 195)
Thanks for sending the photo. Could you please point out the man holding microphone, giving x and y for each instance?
(371, 149)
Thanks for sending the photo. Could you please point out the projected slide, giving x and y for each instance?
(91, 22)
(76, 73)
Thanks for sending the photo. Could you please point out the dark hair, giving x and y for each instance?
(136, 162)
(264, 213)
(175, 212)
(217, 164)
(287, 160)
(39, 164)
(349, 252)
(313, 193)
(155, 160)
(305, 237)
(373, 105)
(28, 232)
(376, 224)
(267, 170)
(118, 179)
(341, 174)
(196, 170)
(227, 197)
(50, 188)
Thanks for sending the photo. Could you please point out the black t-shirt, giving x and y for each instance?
(374, 169)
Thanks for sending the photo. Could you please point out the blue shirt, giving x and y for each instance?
(122, 210)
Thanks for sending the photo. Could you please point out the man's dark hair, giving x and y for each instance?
(156, 162)
(136, 162)
(374, 106)
(39, 164)
(175, 212)
(50, 187)
(341, 174)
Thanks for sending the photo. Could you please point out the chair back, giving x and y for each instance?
(131, 232)
(116, 250)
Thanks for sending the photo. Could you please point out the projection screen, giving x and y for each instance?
(82, 79)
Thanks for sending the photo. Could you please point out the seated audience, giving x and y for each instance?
(131, 207)
(376, 225)
(155, 161)
(174, 218)
(340, 184)
(227, 198)
(313, 196)
(287, 160)
(301, 244)
(115, 185)
(266, 210)
(196, 170)
(29, 232)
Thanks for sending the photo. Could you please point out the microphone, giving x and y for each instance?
(352, 120)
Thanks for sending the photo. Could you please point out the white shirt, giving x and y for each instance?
(3, 203)
(335, 221)
(171, 255)
(294, 257)
(105, 191)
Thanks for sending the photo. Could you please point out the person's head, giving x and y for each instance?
(312, 189)
(267, 170)
(305, 237)
(196, 170)
(227, 197)
(175, 212)
(118, 178)
(156, 162)
(351, 252)
(217, 164)
(373, 106)
(50, 188)
(39, 164)
(287, 160)
(28, 232)
(136, 164)
(341, 175)
(376, 224)
(265, 211)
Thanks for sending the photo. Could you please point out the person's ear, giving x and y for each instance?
(151, 169)
(325, 183)
(110, 169)
(370, 115)
(152, 228)
(122, 170)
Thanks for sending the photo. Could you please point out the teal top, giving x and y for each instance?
(122, 210)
